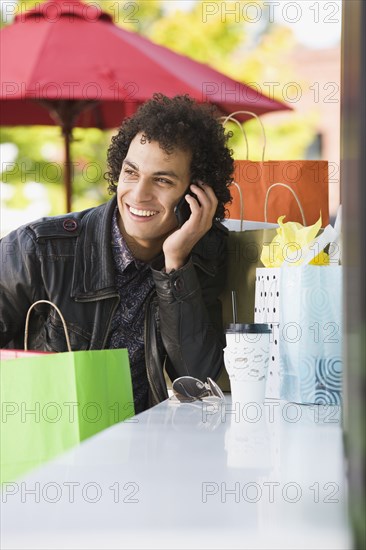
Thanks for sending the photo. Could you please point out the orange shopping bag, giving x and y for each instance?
(308, 179)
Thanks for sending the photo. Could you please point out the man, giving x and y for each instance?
(124, 274)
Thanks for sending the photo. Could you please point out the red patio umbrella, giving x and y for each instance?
(67, 63)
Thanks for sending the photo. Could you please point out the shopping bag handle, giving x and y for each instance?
(61, 317)
(224, 120)
(294, 194)
(241, 203)
(233, 119)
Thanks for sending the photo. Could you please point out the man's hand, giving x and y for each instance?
(177, 247)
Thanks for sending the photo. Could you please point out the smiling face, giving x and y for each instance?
(150, 185)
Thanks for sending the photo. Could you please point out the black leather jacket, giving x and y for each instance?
(68, 260)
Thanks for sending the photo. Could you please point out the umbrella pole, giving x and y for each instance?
(67, 132)
(65, 113)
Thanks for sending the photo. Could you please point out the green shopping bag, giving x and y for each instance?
(52, 402)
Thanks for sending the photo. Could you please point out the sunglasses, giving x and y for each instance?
(187, 389)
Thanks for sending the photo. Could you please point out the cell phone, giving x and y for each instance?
(183, 210)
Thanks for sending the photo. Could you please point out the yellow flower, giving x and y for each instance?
(291, 244)
(320, 259)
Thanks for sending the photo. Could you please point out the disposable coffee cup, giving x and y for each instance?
(246, 359)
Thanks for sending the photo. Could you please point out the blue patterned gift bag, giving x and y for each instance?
(311, 334)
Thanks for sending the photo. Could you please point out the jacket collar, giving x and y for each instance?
(94, 271)
(94, 274)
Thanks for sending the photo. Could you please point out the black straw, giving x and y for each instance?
(234, 304)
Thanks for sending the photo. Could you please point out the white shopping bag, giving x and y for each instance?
(311, 334)
(302, 303)
(266, 310)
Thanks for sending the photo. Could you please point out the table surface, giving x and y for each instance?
(193, 475)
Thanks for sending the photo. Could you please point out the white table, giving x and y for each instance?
(191, 476)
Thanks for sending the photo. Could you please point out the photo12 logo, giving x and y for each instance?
(271, 12)
(270, 491)
(68, 411)
(252, 92)
(270, 412)
(71, 90)
(71, 491)
(54, 10)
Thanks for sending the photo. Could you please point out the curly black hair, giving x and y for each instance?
(179, 122)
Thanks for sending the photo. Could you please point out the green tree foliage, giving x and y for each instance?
(236, 46)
